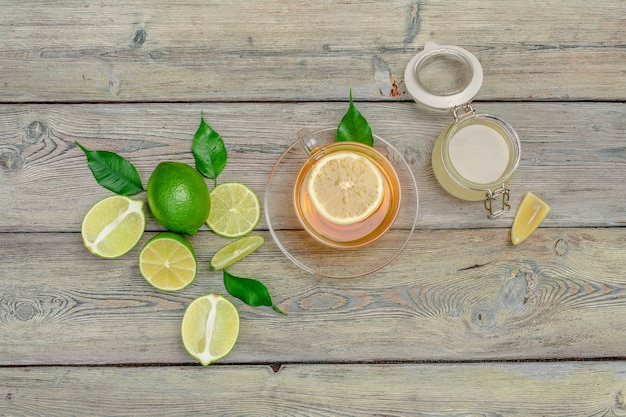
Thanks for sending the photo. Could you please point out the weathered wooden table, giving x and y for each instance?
(462, 323)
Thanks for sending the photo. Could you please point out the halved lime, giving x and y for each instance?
(113, 226)
(210, 328)
(168, 262)
(530, 213)
(235, 251)
(235, 210)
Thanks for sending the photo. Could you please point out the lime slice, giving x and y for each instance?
(113, 226)
(528, 217)
(235, 251)
(168, 262)
(210, 328)
(345, 187)
(235, 210)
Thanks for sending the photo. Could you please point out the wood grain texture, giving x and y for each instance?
(51, 187)
(461, 324)
(420, 390)
(453, 295)
(310, 50)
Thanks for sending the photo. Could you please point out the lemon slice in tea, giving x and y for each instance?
(235, 210)
(345, 187)
(210, 328)
(113, 226)
(168, 262)
(235, 251)
(528, 217)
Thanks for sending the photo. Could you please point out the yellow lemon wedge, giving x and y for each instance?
(345, 187)
(528, 217)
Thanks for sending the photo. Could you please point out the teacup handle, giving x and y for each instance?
(305, 136)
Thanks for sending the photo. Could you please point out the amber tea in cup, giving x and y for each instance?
(341, 233)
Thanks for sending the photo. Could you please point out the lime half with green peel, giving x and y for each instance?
(210, 328)
(530, 213)
(178, 197)
(113, 226)
(235, 210)
(168, 262)
(235, 251)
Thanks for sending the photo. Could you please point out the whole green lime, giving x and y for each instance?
(178, 197)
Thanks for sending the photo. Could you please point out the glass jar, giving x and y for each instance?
(476, 156)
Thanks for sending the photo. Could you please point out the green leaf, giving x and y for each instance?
(209, 151)
(353, 127)
(250, 291)
(113, 172)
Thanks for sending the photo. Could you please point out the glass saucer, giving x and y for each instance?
(308, 253)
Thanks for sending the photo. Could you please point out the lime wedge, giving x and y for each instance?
(113, 226)
(168, 262)
(235, 210)
(235, 251)
(528, 217)
(210, 328)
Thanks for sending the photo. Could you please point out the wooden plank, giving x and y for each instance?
(310, 50)
(493, 389)
(452, 295)
(51, 187)
(87, 336)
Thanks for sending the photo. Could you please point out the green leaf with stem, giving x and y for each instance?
(209, 151)
(113, 172)
(353, 127)
(250, 291)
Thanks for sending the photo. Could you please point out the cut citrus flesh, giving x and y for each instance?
(235, 251)
(113, 226)
(168, 262)
(210, 328)
(345, 187)
(235, 210)
(528, 217)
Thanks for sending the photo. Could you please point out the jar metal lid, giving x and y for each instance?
(443, 77)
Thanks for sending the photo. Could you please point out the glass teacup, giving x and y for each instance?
(337, 234)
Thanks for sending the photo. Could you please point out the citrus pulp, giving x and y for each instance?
(210, 328)
(528, 217)
(235, 251)
(235, 210)
(168, 262)
(345, 187)
(113, 226)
